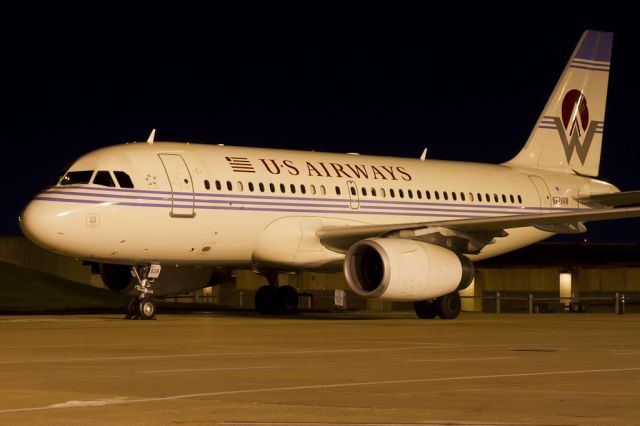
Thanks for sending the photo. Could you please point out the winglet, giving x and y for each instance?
(424, 155)
(151, 137)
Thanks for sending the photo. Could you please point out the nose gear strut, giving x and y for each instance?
(143, 306)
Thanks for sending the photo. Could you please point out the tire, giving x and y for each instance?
(265, 300)
(131, 309)
(147, 309)
(286, 298)
(448, 306)
(425, 309)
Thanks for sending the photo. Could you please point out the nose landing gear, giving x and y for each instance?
(143, 306)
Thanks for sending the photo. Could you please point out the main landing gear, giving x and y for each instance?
(446, 307)
(143, 306)
(275, 299)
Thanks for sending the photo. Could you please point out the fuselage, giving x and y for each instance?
(249, 207)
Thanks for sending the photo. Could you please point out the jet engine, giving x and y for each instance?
(405, 270)
(172, 279)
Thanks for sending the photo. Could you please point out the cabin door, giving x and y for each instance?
(182, 197)
(543, 191)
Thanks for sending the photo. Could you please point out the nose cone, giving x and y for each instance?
(41, 224)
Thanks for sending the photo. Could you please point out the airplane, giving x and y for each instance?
(164, 218)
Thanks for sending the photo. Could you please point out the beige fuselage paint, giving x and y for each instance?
(171, 217)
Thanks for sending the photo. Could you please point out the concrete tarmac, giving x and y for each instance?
(321, 369)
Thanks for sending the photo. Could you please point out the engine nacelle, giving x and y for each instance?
(405, 270)
(172, 279)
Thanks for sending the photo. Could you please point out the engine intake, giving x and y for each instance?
(405, 270)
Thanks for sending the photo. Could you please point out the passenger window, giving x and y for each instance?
(471, 196)
(519, 199)
(511, 198)
(428, 194)
(487, 198)
(454, 196)
(446, 196)
(495, 197)
(504, 198)
(103, 178)
(312, 188)
(72, 178)
(462, 196)
(293, 188)
(229, 186)
(337, 190)
(373, 192)
(383, 193)
(240, 186)
(419, 194)
(282, 188)
(218, 185)
(410, 193)
(323, 191)
(207, 185)
(392, 193)
(251, 188)
(437, 194)
(303, 189)
(272, 187)
(123, 179)
(401, 193)
(364, 191)
(479, 197)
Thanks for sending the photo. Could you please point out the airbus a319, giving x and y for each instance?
(401, 229)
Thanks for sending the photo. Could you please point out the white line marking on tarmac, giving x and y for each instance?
(461, 359)
(214, 354)
(212, 369)
(102, 402)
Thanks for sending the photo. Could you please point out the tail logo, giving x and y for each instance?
(575, 130)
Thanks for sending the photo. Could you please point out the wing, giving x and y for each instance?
(470, 235)
(614, 199)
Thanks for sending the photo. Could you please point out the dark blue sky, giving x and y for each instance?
(377, 79)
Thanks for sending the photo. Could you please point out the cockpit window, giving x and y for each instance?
(78, 177)
(103, 178)
(123, 179)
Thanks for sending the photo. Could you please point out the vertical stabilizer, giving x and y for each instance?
(568, 135)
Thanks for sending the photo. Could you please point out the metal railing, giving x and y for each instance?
(571, 303)
(310, 300)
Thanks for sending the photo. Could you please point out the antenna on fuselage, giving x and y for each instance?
(151, 137)
(424, 155)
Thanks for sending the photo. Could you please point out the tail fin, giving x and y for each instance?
(568, 135)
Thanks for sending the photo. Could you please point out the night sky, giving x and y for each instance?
(385, 79)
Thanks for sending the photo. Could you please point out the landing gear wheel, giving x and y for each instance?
(147, 309)
(132, 308)
(448, 306)
(265, 300)
(425, 309)
(286, 298)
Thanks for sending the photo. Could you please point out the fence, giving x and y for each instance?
(498, 301)
(618, 302)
